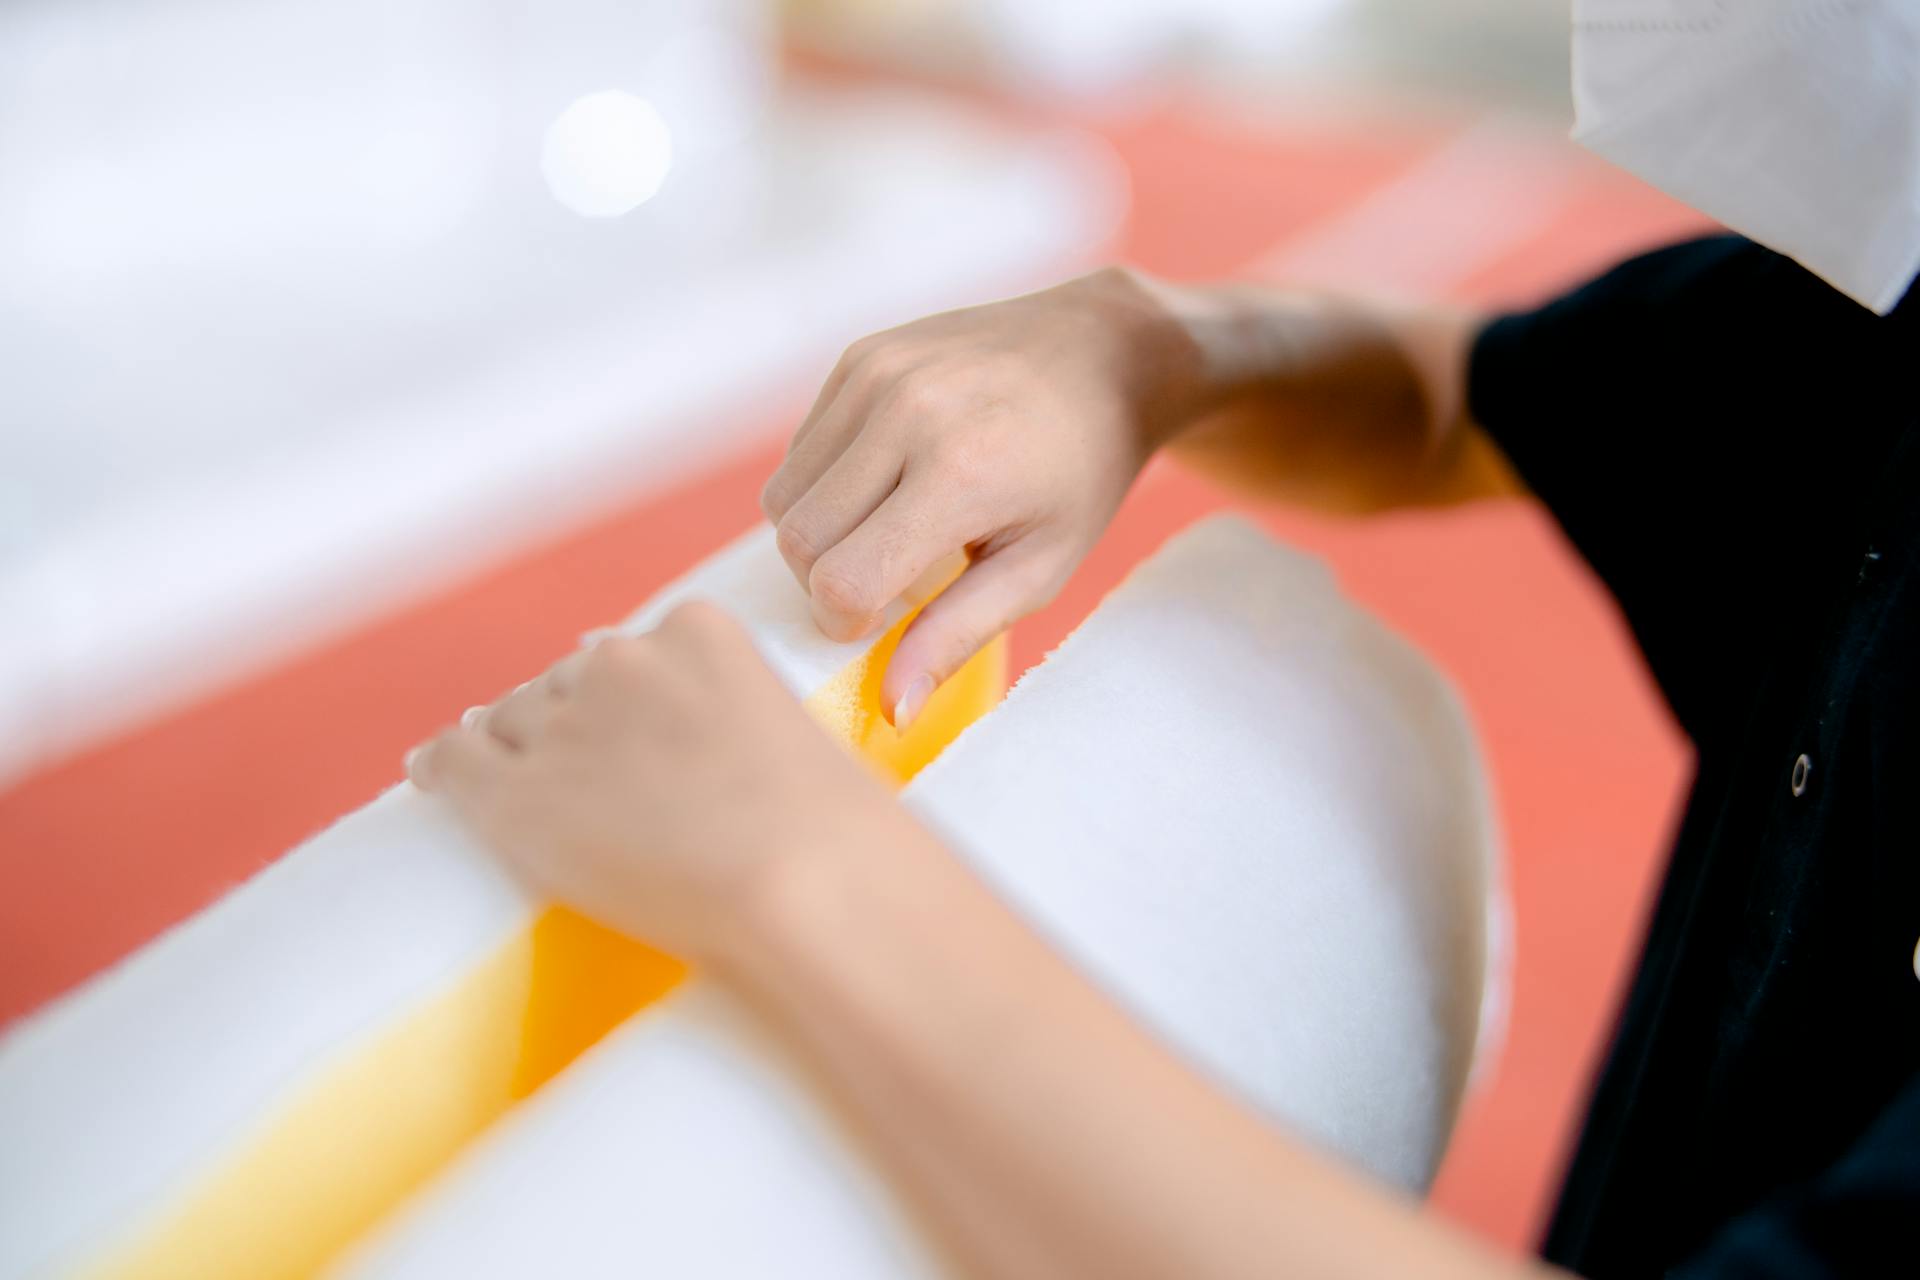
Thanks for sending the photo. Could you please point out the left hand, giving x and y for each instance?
(657, 783)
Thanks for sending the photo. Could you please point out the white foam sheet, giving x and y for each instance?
(122, 1093)
(1248, 811)
(686, 1144)
(1262, 825)
(140, 1081)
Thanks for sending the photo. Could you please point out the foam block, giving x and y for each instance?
(1260, 821)
(251, 1092)
(1247, 810)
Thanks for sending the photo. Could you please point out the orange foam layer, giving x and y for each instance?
(378, 1123)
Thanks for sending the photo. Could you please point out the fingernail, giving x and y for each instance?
(471, 717)
(407, 761)
(912, 703)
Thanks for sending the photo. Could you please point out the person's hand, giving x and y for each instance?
(1010, 430)
(657, 783)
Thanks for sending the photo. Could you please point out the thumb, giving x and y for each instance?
(991, 595)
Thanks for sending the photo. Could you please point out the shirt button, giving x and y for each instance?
(1801, 769)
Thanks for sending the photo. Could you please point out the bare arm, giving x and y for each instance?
(669, 786)
(1047, 1133)
(1339, 403)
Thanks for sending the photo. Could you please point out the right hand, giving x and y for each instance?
(1010, 430)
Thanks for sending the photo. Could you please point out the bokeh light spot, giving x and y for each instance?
(606, 154)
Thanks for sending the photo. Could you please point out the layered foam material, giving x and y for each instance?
(249, 1094)
(1250, 813)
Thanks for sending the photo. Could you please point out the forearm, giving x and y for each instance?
(1334, 401)
(1040, 1129)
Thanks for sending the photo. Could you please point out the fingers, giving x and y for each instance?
(464, 764)
(835, 422)
(807, 460)
(563, 677)
(520, 718)
(829, 392)
(846, 526)
(869, 568)
(640, 680)
(989, 597)
(850, 491)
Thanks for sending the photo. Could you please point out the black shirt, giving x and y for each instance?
(1735, 449)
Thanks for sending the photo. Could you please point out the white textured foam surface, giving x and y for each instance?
(1257, 817)
(1253, 815)
(138, 1082)
(685, 1144)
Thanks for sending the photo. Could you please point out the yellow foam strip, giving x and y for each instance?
(376, 1124)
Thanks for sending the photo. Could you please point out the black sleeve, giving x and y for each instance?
(1699, 420)
(1856, 1219)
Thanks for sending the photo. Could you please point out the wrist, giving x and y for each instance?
(1206, 344)
(814, 894)
(1326, 347)
(1164, 369)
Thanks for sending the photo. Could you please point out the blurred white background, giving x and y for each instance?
(308, 306)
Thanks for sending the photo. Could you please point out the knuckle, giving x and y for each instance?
(429, 763)
(560, 679)
(419, 765)
(614, 654)
(882, 359)
(960, 641)
(773, 496)
(618, 668)
(698, 618)
(1034, 574)
(521, 714)
(1048, 580)
(921, 393)
(856, 352)
(841, 589)
(1044, 593)
(795, 542)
